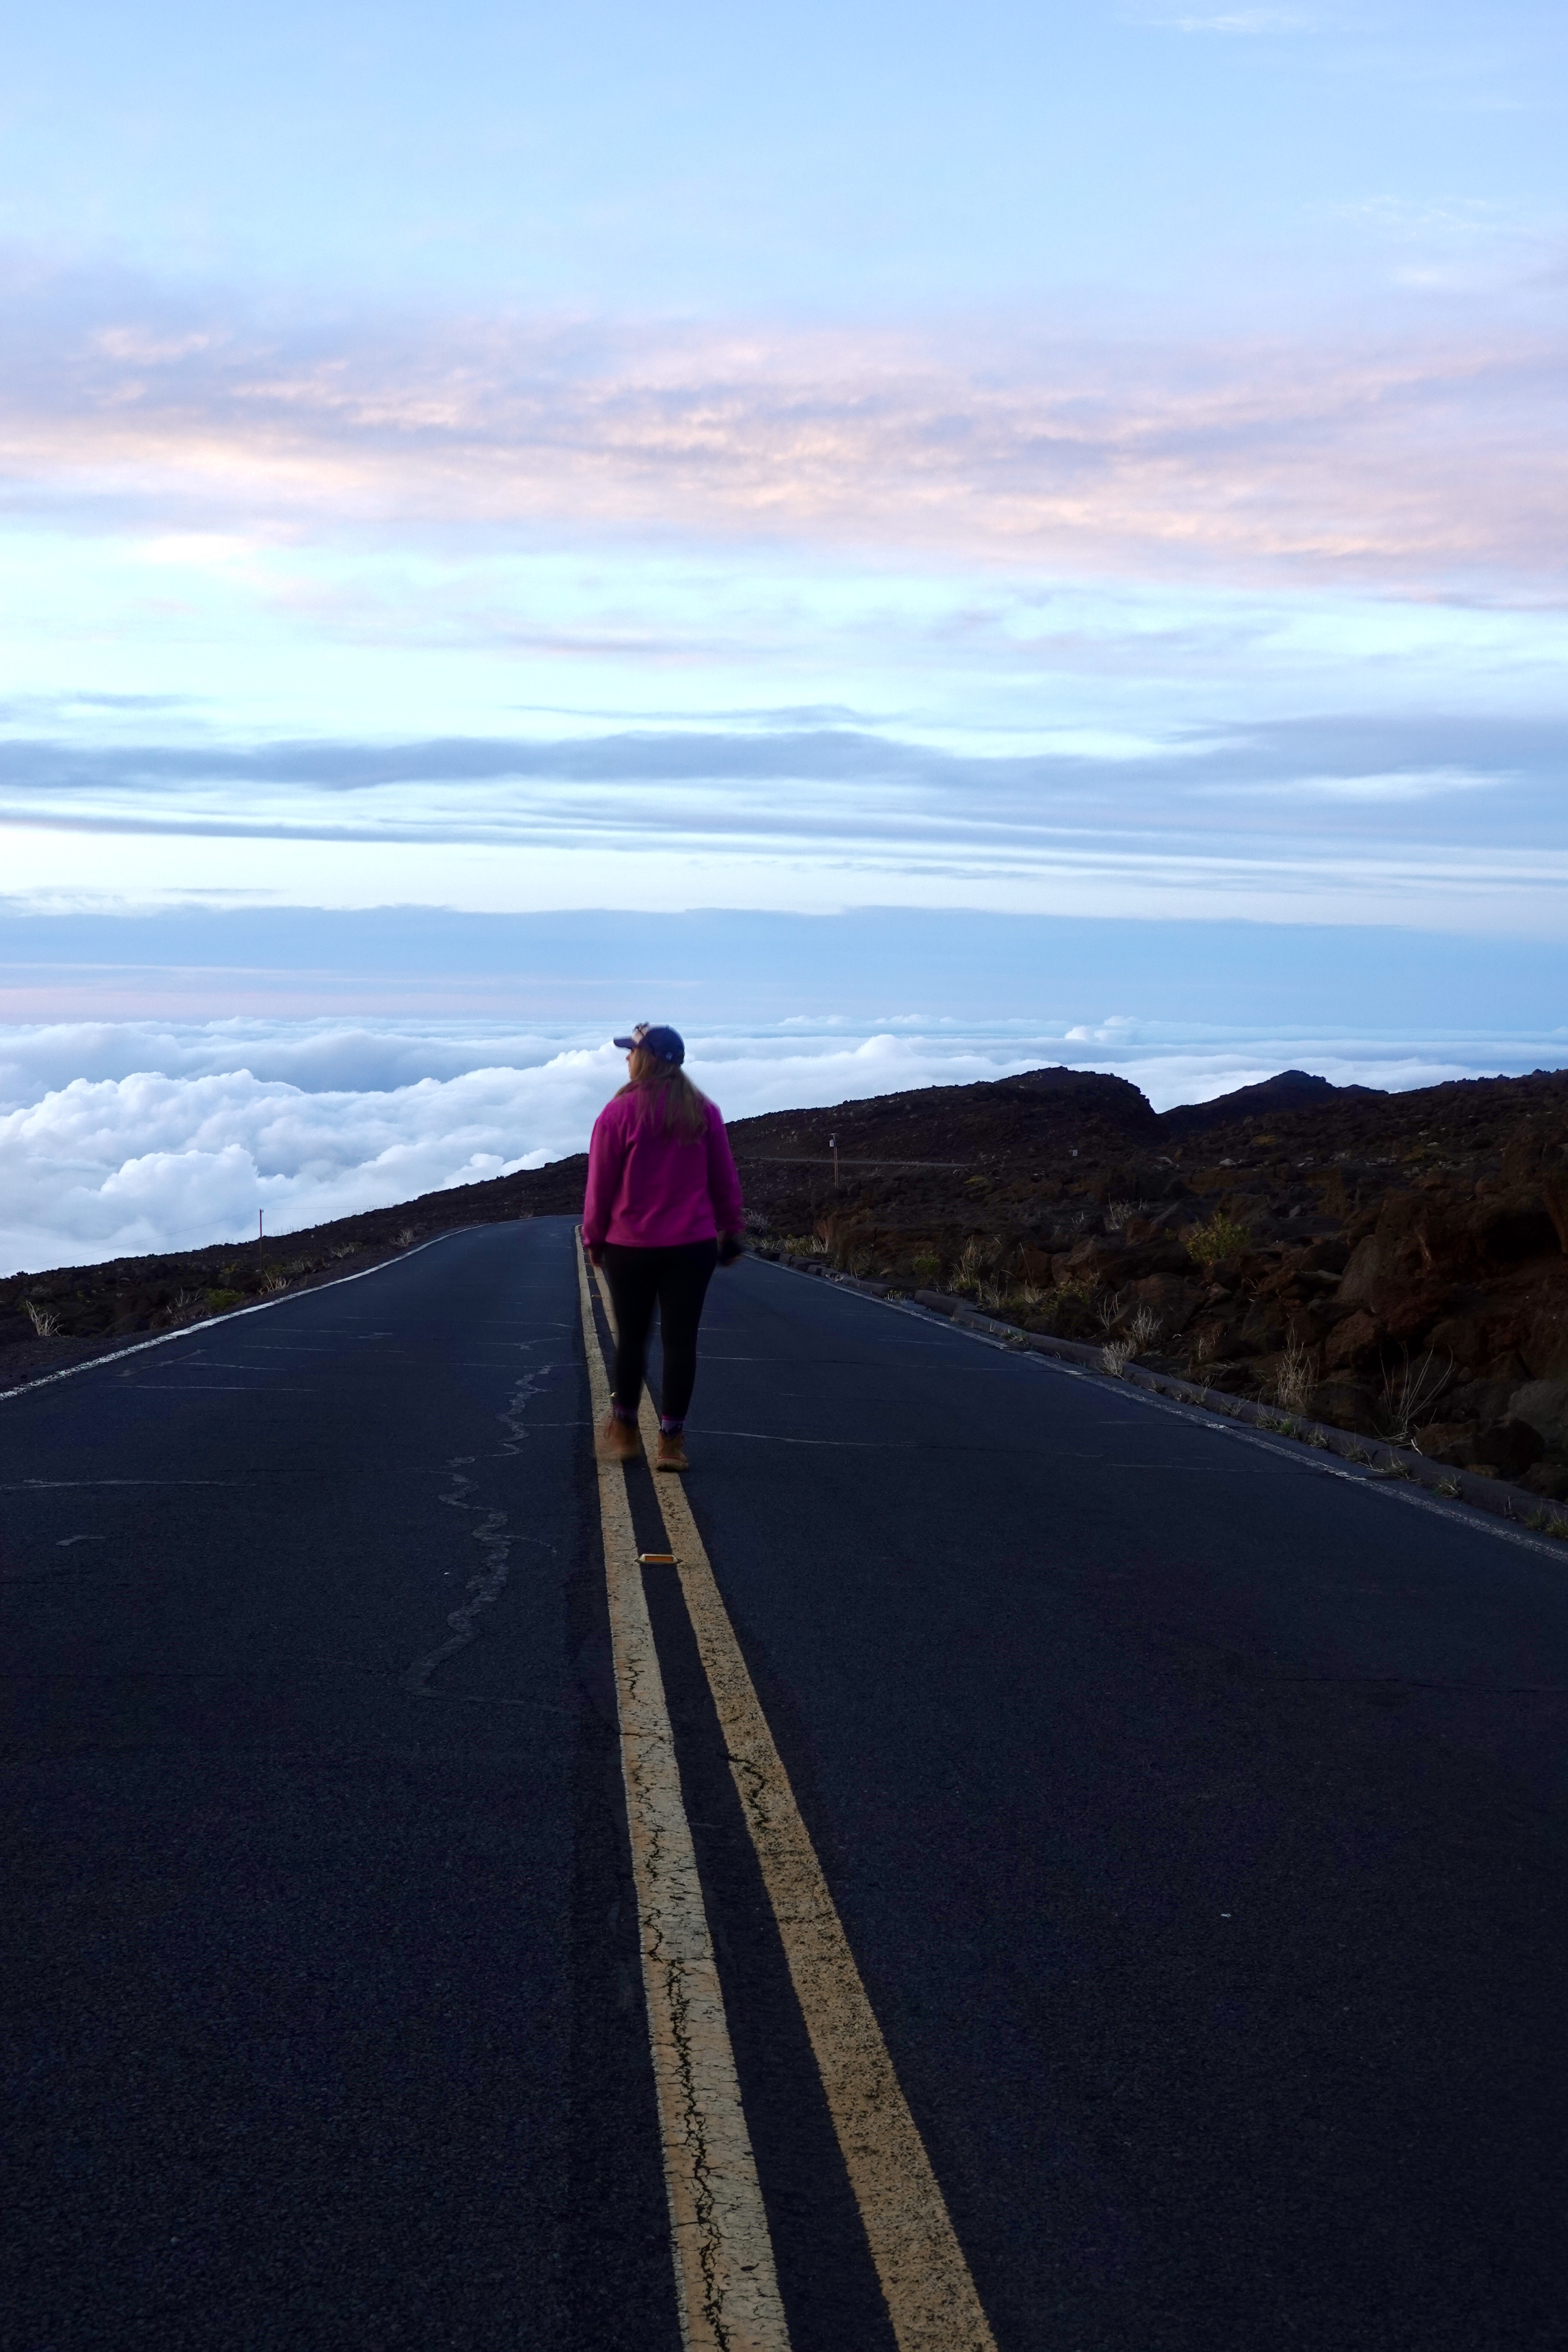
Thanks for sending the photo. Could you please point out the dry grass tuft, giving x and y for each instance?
(974, 1263)
(1296, 1375)
(1409, 1393)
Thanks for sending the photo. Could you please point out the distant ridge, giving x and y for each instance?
(1289, 1090)
(1035, 1108)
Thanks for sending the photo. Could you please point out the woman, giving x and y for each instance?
(663, 1209)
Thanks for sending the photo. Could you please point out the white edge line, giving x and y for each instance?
(1393, 1490)
(230, 1314)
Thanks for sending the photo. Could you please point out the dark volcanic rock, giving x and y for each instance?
(1544, 1405)
(1504, 1449)
(1291, 1091)
(999, 1122)
(1356, 1339)
(1345, 1405)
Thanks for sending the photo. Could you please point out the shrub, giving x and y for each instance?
(927, 1264)
(1219, 1238)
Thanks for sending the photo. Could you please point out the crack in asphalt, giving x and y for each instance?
(671, 1970)
(485, 1587)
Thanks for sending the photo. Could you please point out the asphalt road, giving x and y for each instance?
(1194, 1816)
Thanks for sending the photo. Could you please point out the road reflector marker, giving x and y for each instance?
(655, 1559)
(725, 2284)
(930, 2295)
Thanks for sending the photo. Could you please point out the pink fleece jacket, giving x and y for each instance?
(653, 1189)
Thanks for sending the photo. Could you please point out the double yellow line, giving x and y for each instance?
(725, 2279)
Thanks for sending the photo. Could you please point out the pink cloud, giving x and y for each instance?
(1427, 465)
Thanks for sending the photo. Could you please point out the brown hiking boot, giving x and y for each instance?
(617, 1440)
(671, 1452)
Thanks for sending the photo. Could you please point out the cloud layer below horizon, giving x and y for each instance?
(183, 1132)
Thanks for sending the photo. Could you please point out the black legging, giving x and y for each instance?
(677, 1281)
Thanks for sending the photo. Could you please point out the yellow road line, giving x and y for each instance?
(930, 2295)
(724, 2277)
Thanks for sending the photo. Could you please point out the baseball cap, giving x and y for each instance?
(669, 1044)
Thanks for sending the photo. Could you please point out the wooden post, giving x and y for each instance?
(833, 1146)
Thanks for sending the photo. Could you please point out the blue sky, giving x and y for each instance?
(912, 541)
(1084, 462)
(829, 159)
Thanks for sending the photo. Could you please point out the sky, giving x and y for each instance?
(498, 497)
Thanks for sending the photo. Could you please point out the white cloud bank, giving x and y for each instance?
(121, 1139)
